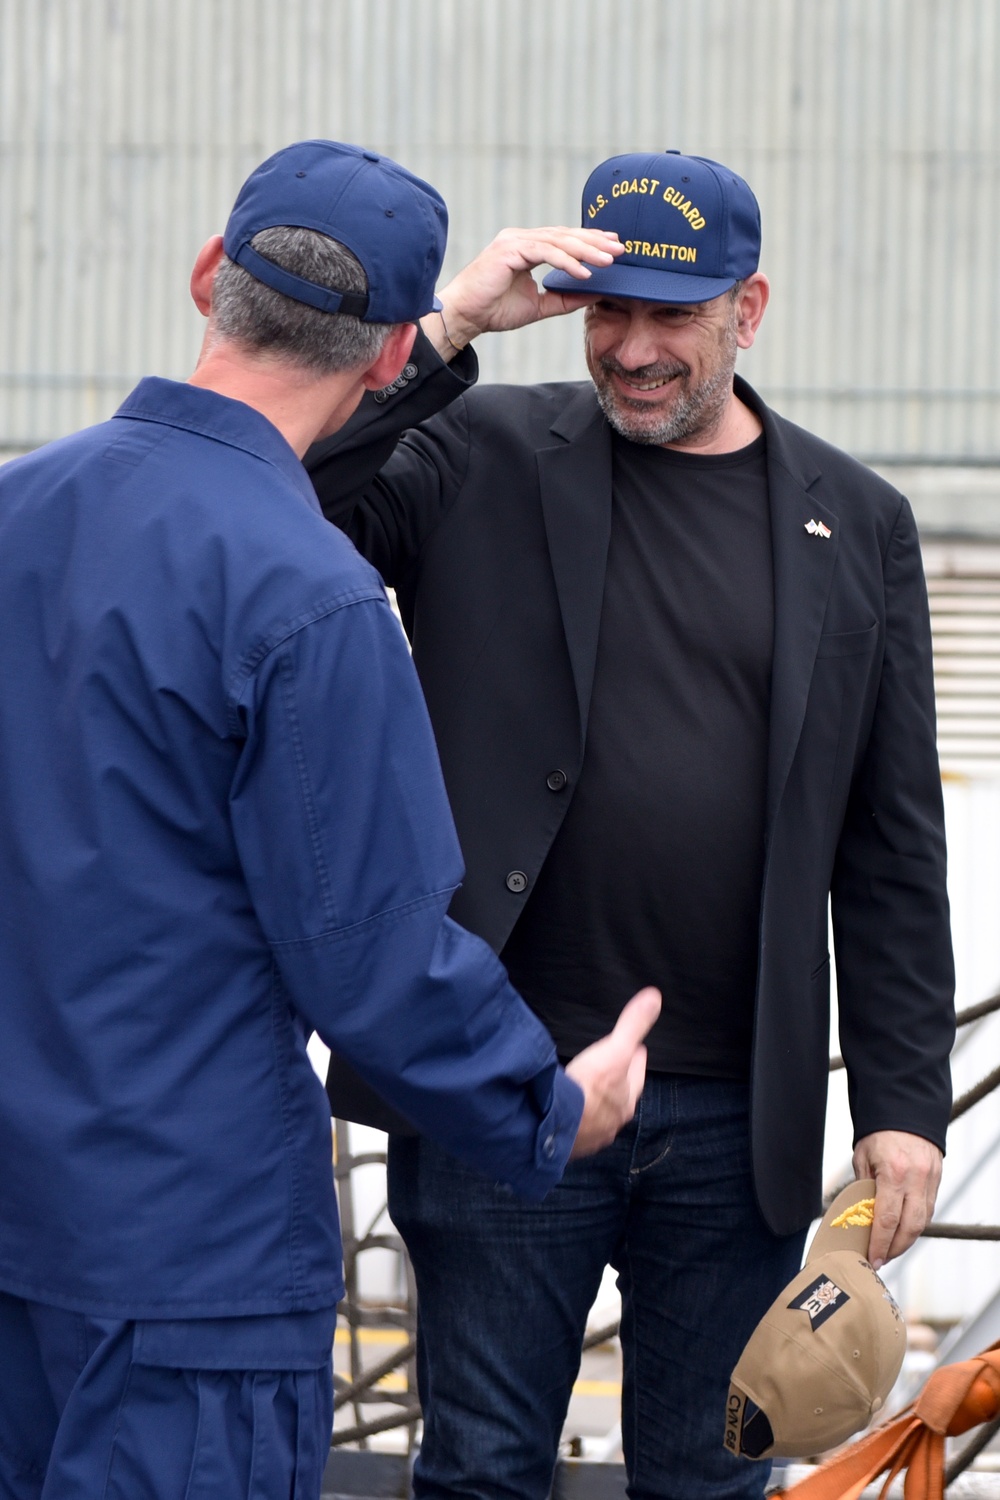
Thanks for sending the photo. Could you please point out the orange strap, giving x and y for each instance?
(955, 1398)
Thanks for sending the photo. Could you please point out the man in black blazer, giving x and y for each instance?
(677, 655)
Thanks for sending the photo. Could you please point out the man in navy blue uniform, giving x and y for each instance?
(222, 825)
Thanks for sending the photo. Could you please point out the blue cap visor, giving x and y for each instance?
(644, 283)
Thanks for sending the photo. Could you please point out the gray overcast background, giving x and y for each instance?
(870, 130)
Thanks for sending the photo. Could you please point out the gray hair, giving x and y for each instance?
(261, 319)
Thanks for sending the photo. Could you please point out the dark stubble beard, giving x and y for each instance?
(696, 410)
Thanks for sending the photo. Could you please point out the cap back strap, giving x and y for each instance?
(324, 299)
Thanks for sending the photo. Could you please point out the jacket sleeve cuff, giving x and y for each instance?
(562, 1102)
(449, 379)
(925, 1129)
(425, 386)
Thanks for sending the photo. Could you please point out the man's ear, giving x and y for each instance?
(205, 267)
(750, 305)
(395, 352)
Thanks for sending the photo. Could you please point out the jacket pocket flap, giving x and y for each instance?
(848, 642)
(292, 1341)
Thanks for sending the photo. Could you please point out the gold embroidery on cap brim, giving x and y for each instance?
(860, 1215)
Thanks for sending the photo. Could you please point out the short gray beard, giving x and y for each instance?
(695, 413)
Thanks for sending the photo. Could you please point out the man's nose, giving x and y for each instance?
(638, 348)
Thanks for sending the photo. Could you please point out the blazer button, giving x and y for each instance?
(410, 370)
(517, 882)
(556, 780)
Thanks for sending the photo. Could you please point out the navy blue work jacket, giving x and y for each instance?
(222, 825)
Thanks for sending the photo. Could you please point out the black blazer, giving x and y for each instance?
(492, 522)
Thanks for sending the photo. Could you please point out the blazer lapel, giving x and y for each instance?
(575, 479)
(575, 484)
(804, 562)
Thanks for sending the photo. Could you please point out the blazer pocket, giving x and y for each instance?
(848, 642)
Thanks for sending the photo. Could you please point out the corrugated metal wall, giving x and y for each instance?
(869, 128)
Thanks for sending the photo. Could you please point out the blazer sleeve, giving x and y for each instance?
(895, 973)
(388, 495)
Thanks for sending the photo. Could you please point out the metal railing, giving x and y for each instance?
(364, 1387)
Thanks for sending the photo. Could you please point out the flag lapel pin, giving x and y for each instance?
(816, 528)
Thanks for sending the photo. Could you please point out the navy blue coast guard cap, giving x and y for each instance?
(395, 223)
(690, 226)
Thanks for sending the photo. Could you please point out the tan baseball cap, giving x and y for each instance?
(826, 1354)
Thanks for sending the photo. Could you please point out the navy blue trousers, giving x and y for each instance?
(101, 1409)
(505, 1288)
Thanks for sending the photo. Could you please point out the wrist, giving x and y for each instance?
(447, 332)
(457, 330)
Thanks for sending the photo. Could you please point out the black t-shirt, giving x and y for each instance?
(655, 875)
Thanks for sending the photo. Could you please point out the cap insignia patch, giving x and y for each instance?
(820, 1300)
(860, 1215)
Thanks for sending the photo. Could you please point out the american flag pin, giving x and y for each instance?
(816, 528)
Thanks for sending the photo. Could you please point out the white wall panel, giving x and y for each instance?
(869, 128)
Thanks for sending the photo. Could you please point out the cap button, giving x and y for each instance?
(371, 155)
(877, 1404)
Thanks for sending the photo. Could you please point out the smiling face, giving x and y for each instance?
(664, 371)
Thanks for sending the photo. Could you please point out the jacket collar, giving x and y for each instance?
(192, 408)
(575, 477)
(804, 565)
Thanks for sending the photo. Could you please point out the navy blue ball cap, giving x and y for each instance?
(690, 226)
(395, 223)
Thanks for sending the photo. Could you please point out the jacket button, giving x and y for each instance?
(410, 370)
(556, 780)
(517, 882)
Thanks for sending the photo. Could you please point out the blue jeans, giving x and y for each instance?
(505, 1287)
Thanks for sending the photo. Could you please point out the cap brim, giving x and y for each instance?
(847, 1223)
(643, 283)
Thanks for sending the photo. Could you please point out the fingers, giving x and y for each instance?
(497, 291)
(888, 1208)
(570, 250)
(913, 1220)
(555, 304)
(898, 1224)
(635, 1079)
(917, 1209)
(612, 1072)
(907, 1171)
(573, 255)
(637, 1016)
